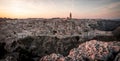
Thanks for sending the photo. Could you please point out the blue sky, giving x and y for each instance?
(60, 8)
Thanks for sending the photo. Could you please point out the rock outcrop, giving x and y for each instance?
(90, 51)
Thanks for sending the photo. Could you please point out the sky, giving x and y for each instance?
(108, 9)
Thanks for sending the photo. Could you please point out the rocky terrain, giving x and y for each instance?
(90, 51)
(59, 39)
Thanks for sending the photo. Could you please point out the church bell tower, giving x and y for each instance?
(70, 16)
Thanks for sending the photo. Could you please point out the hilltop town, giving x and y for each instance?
(39, 39)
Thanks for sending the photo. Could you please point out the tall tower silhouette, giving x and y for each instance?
(70, 15)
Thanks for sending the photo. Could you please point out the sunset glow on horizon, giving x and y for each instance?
(60, 8)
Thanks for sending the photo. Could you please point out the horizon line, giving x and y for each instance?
(58, 18)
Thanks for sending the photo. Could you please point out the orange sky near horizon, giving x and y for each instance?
(60, 8)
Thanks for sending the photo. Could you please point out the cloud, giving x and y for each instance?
(110, 11)
(114, 5)
(111, 7)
